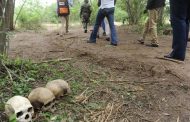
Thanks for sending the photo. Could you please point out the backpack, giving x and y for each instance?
(63, 8)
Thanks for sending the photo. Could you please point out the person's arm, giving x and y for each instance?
(81, 9)
(90, 10)
(99, 3)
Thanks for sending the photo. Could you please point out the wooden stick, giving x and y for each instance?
(169, 59)
(10, 76)
(57, 60)
(109, 113)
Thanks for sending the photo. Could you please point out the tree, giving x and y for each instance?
(135, 10)
(10, 13)
(6, 22)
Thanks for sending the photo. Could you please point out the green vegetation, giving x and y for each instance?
(33, 13)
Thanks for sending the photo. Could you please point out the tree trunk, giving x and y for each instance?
(3, 24)
(9, 15)
(11, 27)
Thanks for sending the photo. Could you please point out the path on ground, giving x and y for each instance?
(166, 88)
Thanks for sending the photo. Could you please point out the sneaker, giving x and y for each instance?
(108, 39)
(154, 45)
(113, 44)
(89, 41)
(104, 33)
(172, 57)
(85, 31)
(141, 41)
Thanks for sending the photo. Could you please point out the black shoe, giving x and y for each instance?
(89, 41)
(104, 33)
(171, 57)
(141, 41)
(108, 39)
(85, 31)
(98, 36)
(113, 44)
(154, 45)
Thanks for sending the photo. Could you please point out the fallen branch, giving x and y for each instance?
(109, 113)
(57, 60)
(172, 60)
(7, 69)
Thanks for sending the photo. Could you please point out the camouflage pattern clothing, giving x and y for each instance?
(85, 13)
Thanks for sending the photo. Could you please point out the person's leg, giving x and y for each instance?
(85, 30)
(179, 13)
(103, 27)
(107, 29)
(153, 27)
(110, 17)
(145, 30)
(67, 23)
(99, 19)
(62, 25)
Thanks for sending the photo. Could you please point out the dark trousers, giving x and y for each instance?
(180, 15)
(102, 13)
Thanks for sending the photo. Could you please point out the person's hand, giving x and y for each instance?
(145, 11)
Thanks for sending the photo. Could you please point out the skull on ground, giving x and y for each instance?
(58, 87)
(42, 98)
(21, 107)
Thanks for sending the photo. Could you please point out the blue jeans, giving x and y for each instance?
(103, 26)
(180, 15)
(102, 13)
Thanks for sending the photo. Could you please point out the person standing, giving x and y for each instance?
(85, 13)
(153, 7)
(63, 11)
(180, 17)
(107, 9)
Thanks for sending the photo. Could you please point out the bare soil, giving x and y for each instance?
(139, 87)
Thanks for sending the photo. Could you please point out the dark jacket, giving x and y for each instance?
(85, 12)
(153, 4)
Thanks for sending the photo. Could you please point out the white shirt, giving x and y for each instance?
(107, 4)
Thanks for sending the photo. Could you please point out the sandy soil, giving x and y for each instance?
(160, 88)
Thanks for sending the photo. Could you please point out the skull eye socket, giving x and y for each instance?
(48, 104)
(19, 114)
(30, 109)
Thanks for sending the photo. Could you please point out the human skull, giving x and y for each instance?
(42, 98)
(21, 107)
(58, 87)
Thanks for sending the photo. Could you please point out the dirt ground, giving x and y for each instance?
(145, 88)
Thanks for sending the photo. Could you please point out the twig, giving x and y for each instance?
(10, 76)
(90, 96)
(84, 91)
(120, 107)
(172, 60)
(116, 80)
(173, 73)
(178, 119)
(58, 60)
(109, 113)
